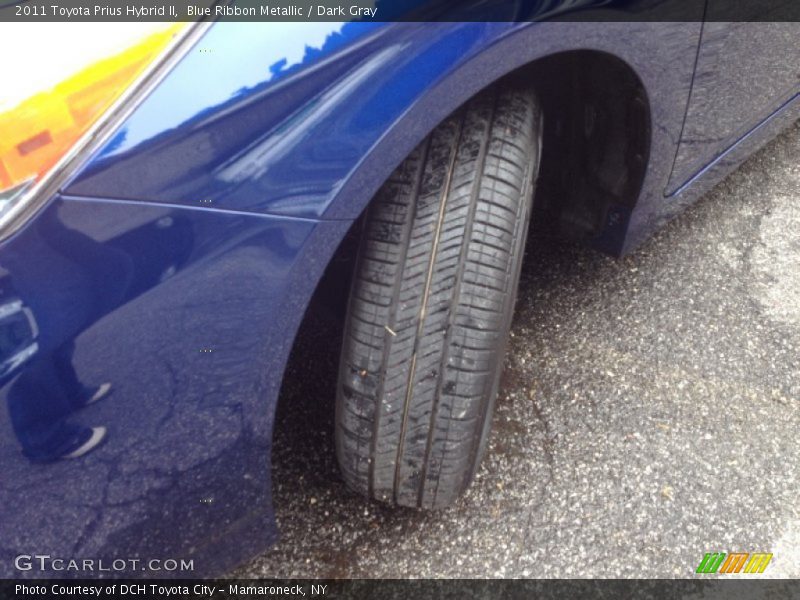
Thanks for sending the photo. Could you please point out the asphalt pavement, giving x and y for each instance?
(649, 413)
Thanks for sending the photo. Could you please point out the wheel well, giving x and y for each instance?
(595, 148)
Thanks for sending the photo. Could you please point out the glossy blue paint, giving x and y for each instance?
(189, 313)
(745, 72)
(179, 260)
(317, 135)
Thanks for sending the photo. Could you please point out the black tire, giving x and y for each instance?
(431, 304)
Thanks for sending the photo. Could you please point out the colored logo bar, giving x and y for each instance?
(735, 562)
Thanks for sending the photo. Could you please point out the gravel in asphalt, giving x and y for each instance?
(649, 413)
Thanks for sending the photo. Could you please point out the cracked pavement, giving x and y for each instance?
(649, 413)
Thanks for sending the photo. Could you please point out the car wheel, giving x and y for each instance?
(431, 304)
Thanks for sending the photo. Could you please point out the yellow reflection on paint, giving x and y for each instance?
(37, 131)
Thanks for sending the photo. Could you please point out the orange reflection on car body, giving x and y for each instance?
(38, 131)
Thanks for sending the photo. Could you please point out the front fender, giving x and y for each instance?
(308, 120)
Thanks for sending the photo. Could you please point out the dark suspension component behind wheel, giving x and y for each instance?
(431, 303)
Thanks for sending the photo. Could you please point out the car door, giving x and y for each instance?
(745, 72)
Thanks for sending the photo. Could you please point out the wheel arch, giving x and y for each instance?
(562, 204)
(597, 145)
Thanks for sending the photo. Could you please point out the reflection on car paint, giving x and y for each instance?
(177, 312)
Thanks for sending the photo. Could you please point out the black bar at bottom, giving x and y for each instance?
(728, 588)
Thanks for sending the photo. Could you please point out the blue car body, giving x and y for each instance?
(178, 261)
